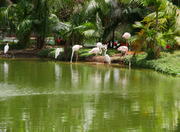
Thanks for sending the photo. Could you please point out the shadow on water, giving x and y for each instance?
(44, 96)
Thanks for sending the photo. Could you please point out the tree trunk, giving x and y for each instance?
(113, 36)
(72, 41)
(40, 42)
(41, 38)
(67, 50)
(24, 41)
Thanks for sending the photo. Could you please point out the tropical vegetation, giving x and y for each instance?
(154, 24)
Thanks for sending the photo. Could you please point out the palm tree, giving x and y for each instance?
(153, 5)
(111, 14)
(27, 17)
(167, 29)
(43, 10)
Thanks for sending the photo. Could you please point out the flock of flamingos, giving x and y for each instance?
(99, 49)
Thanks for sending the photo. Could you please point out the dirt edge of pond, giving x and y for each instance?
(116, 59)
(33, 53)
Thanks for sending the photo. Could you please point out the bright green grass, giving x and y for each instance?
(168, 63)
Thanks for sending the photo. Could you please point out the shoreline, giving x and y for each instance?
(161, 65)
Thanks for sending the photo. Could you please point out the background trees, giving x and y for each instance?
(80, 21)
(158, 30)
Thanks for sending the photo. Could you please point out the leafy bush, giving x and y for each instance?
(45, 52)
(51, 54)
(84, 53)
(160, 33)
(112, 52)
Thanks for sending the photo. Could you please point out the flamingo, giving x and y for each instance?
(75, 48)
(107, 59)
(123, 49)
(99, 45)
(126, 35)
(95, 51)
(104, 48)
(57, 52)
(6, 48)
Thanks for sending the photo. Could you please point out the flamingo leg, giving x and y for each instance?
(72, 56)
(76, 56)
(129, 63)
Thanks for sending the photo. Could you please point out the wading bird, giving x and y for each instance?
(104, 49)
(123, 49)
(95, 51)
(57, 52)
(6, 48)
(99, 45)
(126, 35)
(75, 48)
(107, 59)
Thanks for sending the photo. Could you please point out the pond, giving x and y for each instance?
(46, 96)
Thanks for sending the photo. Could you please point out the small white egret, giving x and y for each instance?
(57, 52)
(6, 48)
(95, 51)
(75, 48)
(123, 49)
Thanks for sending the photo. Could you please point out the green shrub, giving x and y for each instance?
(45, 52)
(112, 52)
(51, 54)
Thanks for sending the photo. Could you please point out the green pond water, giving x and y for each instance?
(45, 96)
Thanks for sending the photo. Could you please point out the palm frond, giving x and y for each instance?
(91, 5)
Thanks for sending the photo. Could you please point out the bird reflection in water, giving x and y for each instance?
(6, 70)
(74, 75)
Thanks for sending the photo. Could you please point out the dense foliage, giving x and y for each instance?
(84, 22)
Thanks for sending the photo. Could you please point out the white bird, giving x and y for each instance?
(99, 45)
(75, 48)
(104, 49)
(107, 59)
(126, 35)
(6, 48)
(123, 49)
(95, 51)
(57, 52)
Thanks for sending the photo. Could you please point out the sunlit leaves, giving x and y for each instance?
(91, 6)
(24, 27)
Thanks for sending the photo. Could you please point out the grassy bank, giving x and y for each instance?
(168, 63)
